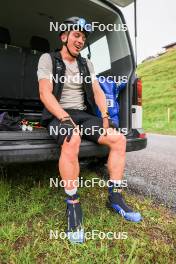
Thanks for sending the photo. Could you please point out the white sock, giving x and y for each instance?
(71, 192)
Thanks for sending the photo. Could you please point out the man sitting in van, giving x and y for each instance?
(70, 104)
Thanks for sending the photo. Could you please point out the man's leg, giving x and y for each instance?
(69, 171)
(117, 154)
(68, 162)
(116, 165)
(116, 143)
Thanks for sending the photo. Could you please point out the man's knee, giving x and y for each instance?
(117, 141)
(71, 148)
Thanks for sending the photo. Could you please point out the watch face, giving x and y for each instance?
(105, 114)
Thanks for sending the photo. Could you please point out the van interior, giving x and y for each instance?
(25, 34)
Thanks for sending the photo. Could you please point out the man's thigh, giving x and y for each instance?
(92, 128)
(59, 131)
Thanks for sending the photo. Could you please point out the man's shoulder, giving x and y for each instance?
(45, 57)
(45, 66)
(45, 61)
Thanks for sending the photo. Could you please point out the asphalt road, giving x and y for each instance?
(152, 171)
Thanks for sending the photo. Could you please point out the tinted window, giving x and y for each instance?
(99, 55)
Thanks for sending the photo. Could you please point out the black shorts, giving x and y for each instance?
(91, 126)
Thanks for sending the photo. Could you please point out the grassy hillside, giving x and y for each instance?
(159, 93)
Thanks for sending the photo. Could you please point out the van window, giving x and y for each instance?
(99, 55)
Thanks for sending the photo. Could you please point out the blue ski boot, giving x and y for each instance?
(75, 231)
(117, 204)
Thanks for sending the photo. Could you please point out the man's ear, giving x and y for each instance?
(64, 37)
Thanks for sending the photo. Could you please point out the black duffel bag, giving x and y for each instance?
(9, 123)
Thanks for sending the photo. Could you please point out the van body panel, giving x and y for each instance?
(24, 151)
(136, 116)
(122, 3)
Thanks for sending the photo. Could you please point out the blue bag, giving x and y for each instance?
(111, 90)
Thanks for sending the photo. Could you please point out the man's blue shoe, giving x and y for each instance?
(130, 216)
(75, 231)
(76, 236)
(117, 204)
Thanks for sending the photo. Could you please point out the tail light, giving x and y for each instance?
(142, 135)
(139, 92)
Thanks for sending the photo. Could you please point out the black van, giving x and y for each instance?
(26, 31)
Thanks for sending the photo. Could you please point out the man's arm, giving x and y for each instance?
(49, 100)
(100, 100)
(45, 69)
(99, 96)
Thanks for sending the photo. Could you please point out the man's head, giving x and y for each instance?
(74, 41)
(73, 34)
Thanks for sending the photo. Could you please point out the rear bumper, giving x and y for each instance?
(45, 150)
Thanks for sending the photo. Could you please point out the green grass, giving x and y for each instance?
(159, 93)
(29, 209)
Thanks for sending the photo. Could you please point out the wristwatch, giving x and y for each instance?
(105, 114)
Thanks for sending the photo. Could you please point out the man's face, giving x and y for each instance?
(76, 41)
